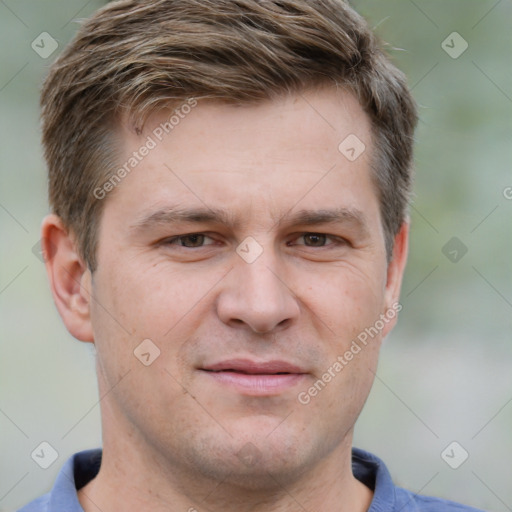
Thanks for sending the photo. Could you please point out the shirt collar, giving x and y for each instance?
(80, 469)
(372, 472)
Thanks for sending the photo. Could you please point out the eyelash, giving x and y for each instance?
(337, 241)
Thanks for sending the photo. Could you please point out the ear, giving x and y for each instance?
(395, 273)
(70, 279)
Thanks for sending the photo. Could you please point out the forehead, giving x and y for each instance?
(300, 150)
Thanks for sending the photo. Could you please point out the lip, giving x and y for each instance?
(255, 378)
(254, 367)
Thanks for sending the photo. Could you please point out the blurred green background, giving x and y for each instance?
(445, 372)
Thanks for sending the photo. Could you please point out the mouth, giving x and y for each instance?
(255, 378)
(250, 367)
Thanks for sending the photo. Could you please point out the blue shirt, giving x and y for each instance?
(368, 469)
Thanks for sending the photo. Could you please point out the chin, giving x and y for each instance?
(255, 460)
(255, 470)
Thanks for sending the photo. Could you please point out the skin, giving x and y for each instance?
(171, 430)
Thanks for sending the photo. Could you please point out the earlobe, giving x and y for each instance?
(70, 279)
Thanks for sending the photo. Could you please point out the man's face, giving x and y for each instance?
(285, 268)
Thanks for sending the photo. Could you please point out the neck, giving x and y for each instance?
(130, 480)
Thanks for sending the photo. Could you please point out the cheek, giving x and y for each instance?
(130, 310)
(352, 300)
(155, 302)
(346, 301)
(150, 301)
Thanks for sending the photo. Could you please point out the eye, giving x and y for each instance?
(314, 239)
(318, 240)
(191, 240)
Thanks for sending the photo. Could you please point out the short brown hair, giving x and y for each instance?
(142, 55)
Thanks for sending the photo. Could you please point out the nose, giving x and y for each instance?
(256, 295)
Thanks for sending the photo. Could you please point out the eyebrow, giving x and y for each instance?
(348, 216)
(167, 216)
